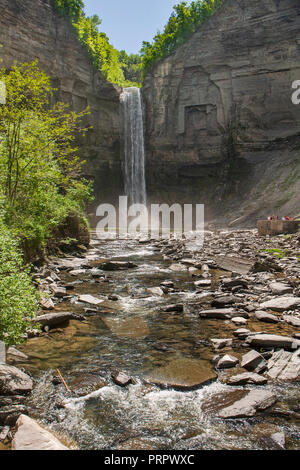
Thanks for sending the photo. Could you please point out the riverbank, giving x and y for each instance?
(167, 346)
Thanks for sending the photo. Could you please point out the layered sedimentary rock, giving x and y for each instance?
(221, 126)
(32, 29)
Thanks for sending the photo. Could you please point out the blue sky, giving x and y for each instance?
(130, 22)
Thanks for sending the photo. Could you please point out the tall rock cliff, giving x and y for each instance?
(32, 29)
(221, 126)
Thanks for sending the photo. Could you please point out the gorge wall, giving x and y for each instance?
(221, 126)
(32, 29)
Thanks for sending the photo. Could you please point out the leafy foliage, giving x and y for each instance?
(183, 22)
(103, 55)
(39, 168)
(132, 67)
(18, 298)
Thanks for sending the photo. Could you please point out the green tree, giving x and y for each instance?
(71, 8)
(183, 22)
(18, 297)
(132, 67)
(39, 168)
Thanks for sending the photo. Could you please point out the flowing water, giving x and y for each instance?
(135, 181)
(133, 335)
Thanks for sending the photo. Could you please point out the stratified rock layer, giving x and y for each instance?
(221, 125)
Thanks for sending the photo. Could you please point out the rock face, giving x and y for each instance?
(220, 120)
(31, 436)
(31, 30)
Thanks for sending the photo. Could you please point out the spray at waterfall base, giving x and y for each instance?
(155, 221)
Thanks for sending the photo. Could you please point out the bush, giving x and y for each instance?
(18, 297)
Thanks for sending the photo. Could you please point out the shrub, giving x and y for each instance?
(18, 297)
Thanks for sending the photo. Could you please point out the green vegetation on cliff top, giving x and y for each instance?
(128, 70)
(183, 22)
(117, 67)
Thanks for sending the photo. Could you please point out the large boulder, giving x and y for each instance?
(31, 436)
(13, 381)
(254, 401)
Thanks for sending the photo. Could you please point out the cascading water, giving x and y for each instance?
(135, 180)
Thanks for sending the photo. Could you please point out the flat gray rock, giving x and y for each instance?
(280, 304)
(292, 320)
(242, 333)
(279, 288)
(178, 267)
(224, 300)
(265, 317)
(273, 341)
(59, 292)
(239, 321)
(247, 378)
(90, 299)
(254, 401)
(221, 343)
(219, 314)
(31, 436)
(234, 264)
(13, 381)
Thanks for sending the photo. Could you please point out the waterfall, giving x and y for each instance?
(135, 180)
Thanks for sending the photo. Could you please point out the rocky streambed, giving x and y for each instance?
(163, 345)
